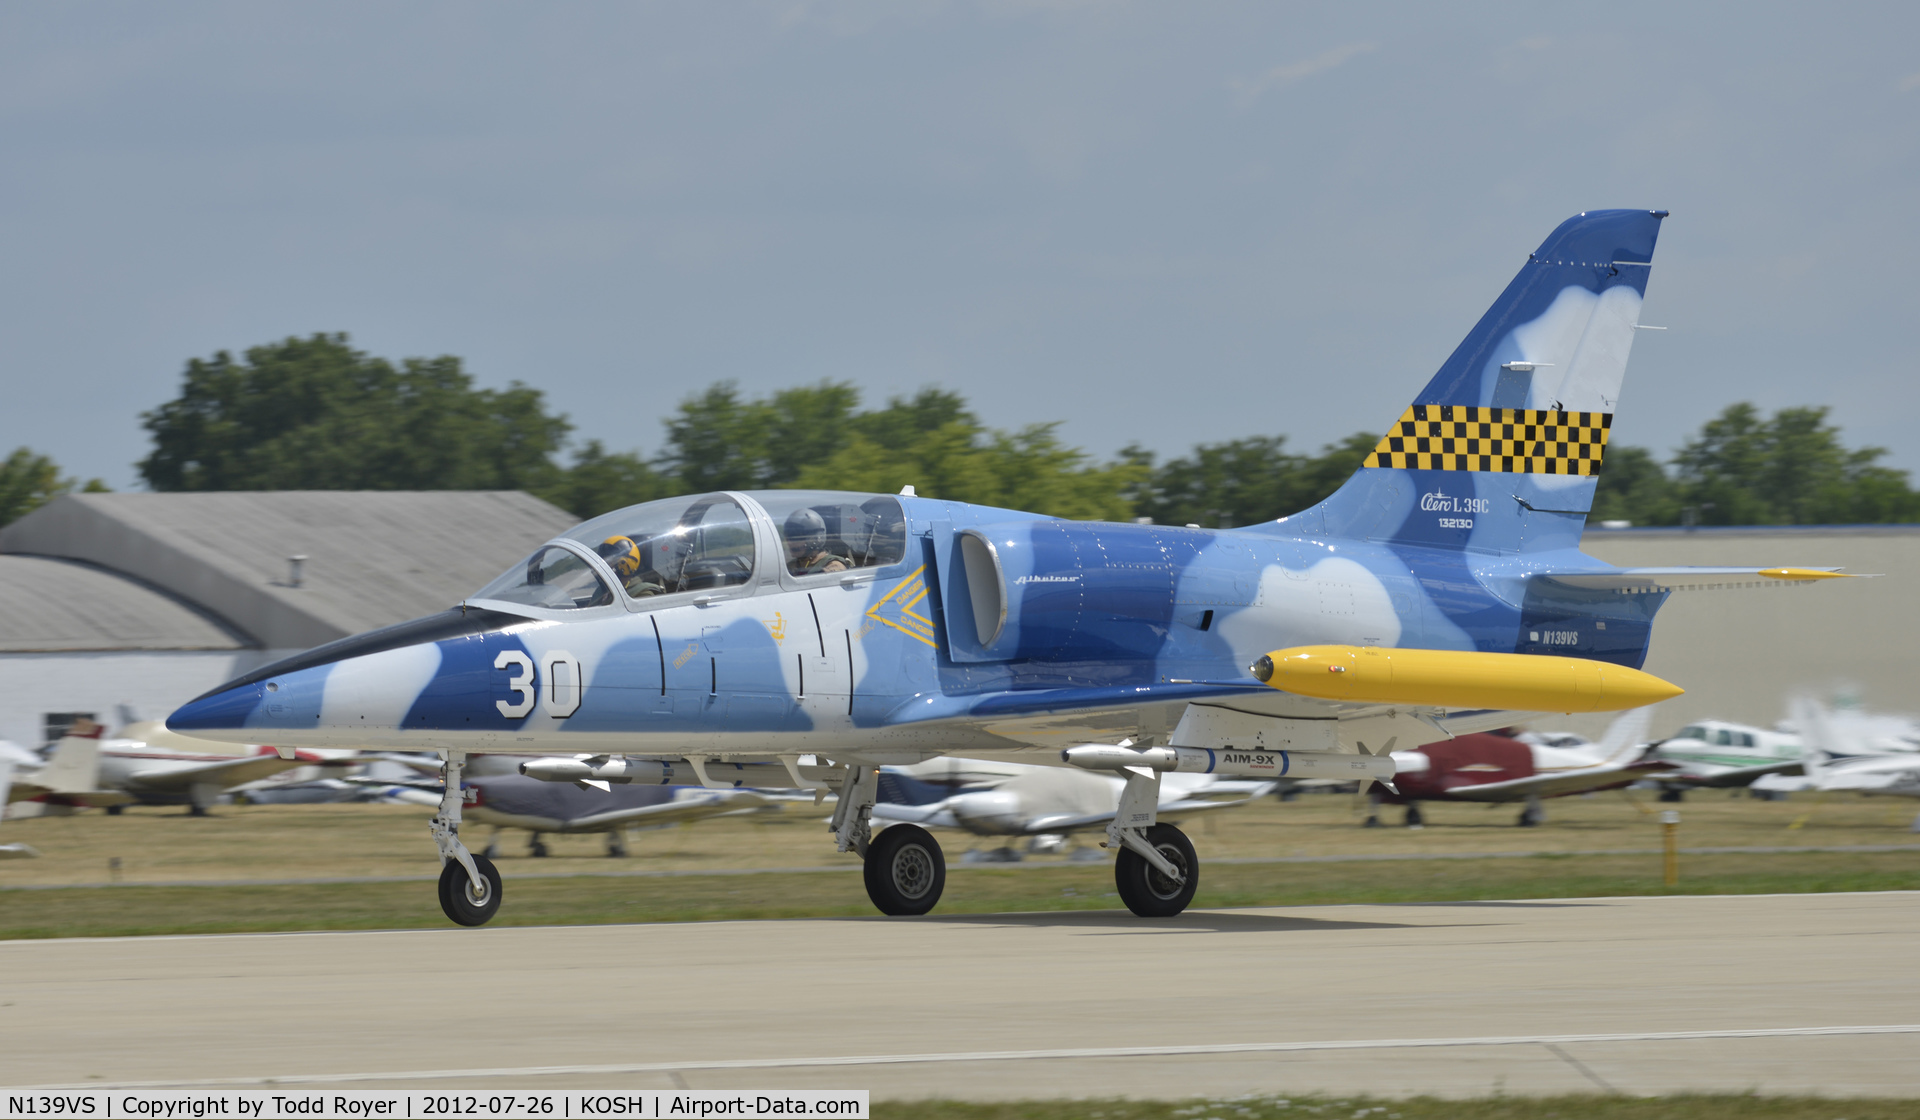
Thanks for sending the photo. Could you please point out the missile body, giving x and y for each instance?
(619, 771)
(1230, 762)
(622, 771)
(1460, 679)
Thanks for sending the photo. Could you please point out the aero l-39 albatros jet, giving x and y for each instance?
(808, 638)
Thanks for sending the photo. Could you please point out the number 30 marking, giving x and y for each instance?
(522, 684)
(562, 694)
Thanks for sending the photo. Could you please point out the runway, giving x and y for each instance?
(1799, 993)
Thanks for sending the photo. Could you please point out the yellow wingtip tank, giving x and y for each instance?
(1804, 573)
(1460, 679)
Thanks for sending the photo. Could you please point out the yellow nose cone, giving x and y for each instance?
(1461, 679)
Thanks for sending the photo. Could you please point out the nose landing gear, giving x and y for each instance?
(469, 884)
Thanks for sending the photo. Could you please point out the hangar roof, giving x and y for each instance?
(372, 557)
(49, 606)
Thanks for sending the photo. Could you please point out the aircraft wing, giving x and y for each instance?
(717, 804)
(85, 799)
(1895, 779)
(936, 815)
(1040, 826)
(27, 789)
(1064, 717)
(1560, 784)
(1733, 777)
(224, 772)
(1694, 578)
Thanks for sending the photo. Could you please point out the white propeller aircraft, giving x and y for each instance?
(1850, 751)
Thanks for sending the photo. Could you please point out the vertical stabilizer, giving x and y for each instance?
(1502, 448)
(75, 764)
(1816, 735)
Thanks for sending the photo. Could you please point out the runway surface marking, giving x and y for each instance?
(1550, 1041)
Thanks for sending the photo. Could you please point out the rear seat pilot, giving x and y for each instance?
(807, 555)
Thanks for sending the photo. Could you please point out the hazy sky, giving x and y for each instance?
(1162, 223)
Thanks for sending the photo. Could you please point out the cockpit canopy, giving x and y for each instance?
(706, 543)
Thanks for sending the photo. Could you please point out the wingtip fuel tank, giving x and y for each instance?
(1460, 679)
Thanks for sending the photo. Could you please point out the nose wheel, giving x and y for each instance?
(905, 870)
(464, 901)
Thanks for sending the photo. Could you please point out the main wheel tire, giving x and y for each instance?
(1144, 889)
(457, 897)
(1414, 819)
(905, 870)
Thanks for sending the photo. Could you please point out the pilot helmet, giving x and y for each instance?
(622, 555)
(806, 531)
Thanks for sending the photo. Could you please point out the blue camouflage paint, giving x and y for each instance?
(1097, 614)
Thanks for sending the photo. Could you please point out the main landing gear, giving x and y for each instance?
(469, 884)
(1534, 815)
(1156, 871)
(905, 871)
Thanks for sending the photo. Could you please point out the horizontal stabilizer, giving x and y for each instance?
(1561, 784)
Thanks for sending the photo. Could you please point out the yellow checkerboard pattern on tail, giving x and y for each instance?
(1448, 437)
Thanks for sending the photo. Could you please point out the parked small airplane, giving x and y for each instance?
(541, 807)
(1848, 751)
(1039, 801)
(1496, 767)
(1716, 754)
(1439, 592)
(155, 766)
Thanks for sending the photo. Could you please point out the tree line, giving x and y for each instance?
(315, 413)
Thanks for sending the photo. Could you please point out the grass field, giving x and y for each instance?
(1681, 1107)
(579, 899)
(337, 841)
(723, 869)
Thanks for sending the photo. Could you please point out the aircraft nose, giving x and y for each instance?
(355, 700)
(225, 709)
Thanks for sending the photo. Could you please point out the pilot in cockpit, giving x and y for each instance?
(624, 557)
(807, 551)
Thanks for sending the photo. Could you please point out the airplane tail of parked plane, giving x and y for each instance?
(1818, 736)
(74, 766)
(1502, 449)
(1625, 735)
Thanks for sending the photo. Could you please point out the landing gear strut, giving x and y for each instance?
(1156, 872)
(1534, 814)
(469, 884)
(905, 871)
